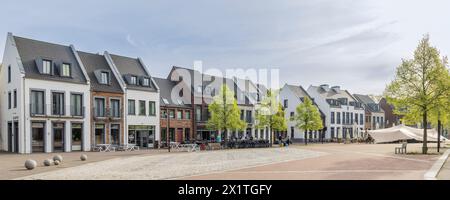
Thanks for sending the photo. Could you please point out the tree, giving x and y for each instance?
(307, 117)
(225, 114)
(419, 86)
(270, 114)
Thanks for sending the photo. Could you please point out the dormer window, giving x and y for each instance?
(65, 70)
(146, 82)
(46, 67)
(104, 78)
(133, 80)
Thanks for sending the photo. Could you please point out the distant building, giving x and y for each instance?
(375, 116)
(391, 119)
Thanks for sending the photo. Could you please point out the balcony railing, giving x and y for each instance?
(50, 110)
(107, 113)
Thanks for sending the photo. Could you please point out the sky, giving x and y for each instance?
(355, 44)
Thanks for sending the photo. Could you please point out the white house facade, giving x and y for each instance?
(45, 93)
(344, 115)
(291, 96)
(142, 100)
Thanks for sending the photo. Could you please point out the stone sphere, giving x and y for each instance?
(58, 158)
(57, 162)
(30, 164)
(48, 162)
(83, 157)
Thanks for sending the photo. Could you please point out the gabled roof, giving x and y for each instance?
(95, 62)
(369, 103)
(132, 66)
(166, 87)
(300, 92)
(30, 51)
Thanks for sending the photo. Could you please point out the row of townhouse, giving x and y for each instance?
(343, 115)
(58, 99)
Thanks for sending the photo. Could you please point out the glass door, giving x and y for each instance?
(77, 135)
(99, 137)
(37, 142)
(58, 137)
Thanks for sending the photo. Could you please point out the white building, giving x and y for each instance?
(142, 100)
(344, 114)
(291, 96)
(45, 92)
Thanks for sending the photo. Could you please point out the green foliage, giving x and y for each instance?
(270, 113)
(421, 87)
(225, 113)
(308, 116)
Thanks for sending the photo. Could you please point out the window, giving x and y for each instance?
(152, 108)
(332, 118)
(9, 74)
(199, 89)
(115, 134)
(198, 113)
(187, 114)
(179, 114)
(347, 118)
(58, 103)
(285, 103)
(46, 67)
(131, 107)
(164, 114)
(115, 108)
(66, 70)
(142, 108)
(9, 100)
(292, 132)
(249, 116)
(292, 115)
(351, 118)
(356, 118)
(338, 118)
(332, 132)
(361, 119)
(171, 114)
(146, 82)
(37, 102)
(15, 99)
(133, 80)
(76, 104)
(99, 107)
(104, 78)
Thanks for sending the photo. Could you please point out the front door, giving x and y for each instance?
(37, 131)
(77, 135)
(179, 137)
(16, 137)
(10, 137)
(58, 137)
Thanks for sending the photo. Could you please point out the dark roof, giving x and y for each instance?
(165, 88)
(369, 103)
(132, 66)
(32, 50)
(95, 62)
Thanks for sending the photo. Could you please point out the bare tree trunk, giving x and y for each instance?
(306, 137)
(425, 135)
(439, 135)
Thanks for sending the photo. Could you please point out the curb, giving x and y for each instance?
(434, 170)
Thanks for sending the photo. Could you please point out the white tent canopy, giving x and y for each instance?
(402, 132)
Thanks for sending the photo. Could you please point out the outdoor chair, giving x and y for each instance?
(401, 149)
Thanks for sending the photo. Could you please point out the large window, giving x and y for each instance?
(361, 119)
(9, 74)
(76, 104)
(152, 108)
(115, 134)
(171, 114)
(104, 78)
(37, 137)
(115, 108)
(131, 107)
(338, 118)
(179, 114)
(58, 103)
(332, 118)
(198, 113)
(99, 107)
(142, 108)
(187, 114)
(356, 118)
(37, 102)
(65, 71)
(248, 116)
(9, 100)
(46, 67)
(99, 137)
(15, 98)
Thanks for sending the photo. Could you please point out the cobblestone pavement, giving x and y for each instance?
(178, 165)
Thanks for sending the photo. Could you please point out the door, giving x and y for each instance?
(16, 137)
(77, 135)
(58, 137)
(10, 137)
(179, 137)
(37, 144)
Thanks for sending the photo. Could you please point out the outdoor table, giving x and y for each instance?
(104, 147)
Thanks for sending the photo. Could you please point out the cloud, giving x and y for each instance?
(131, 41)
